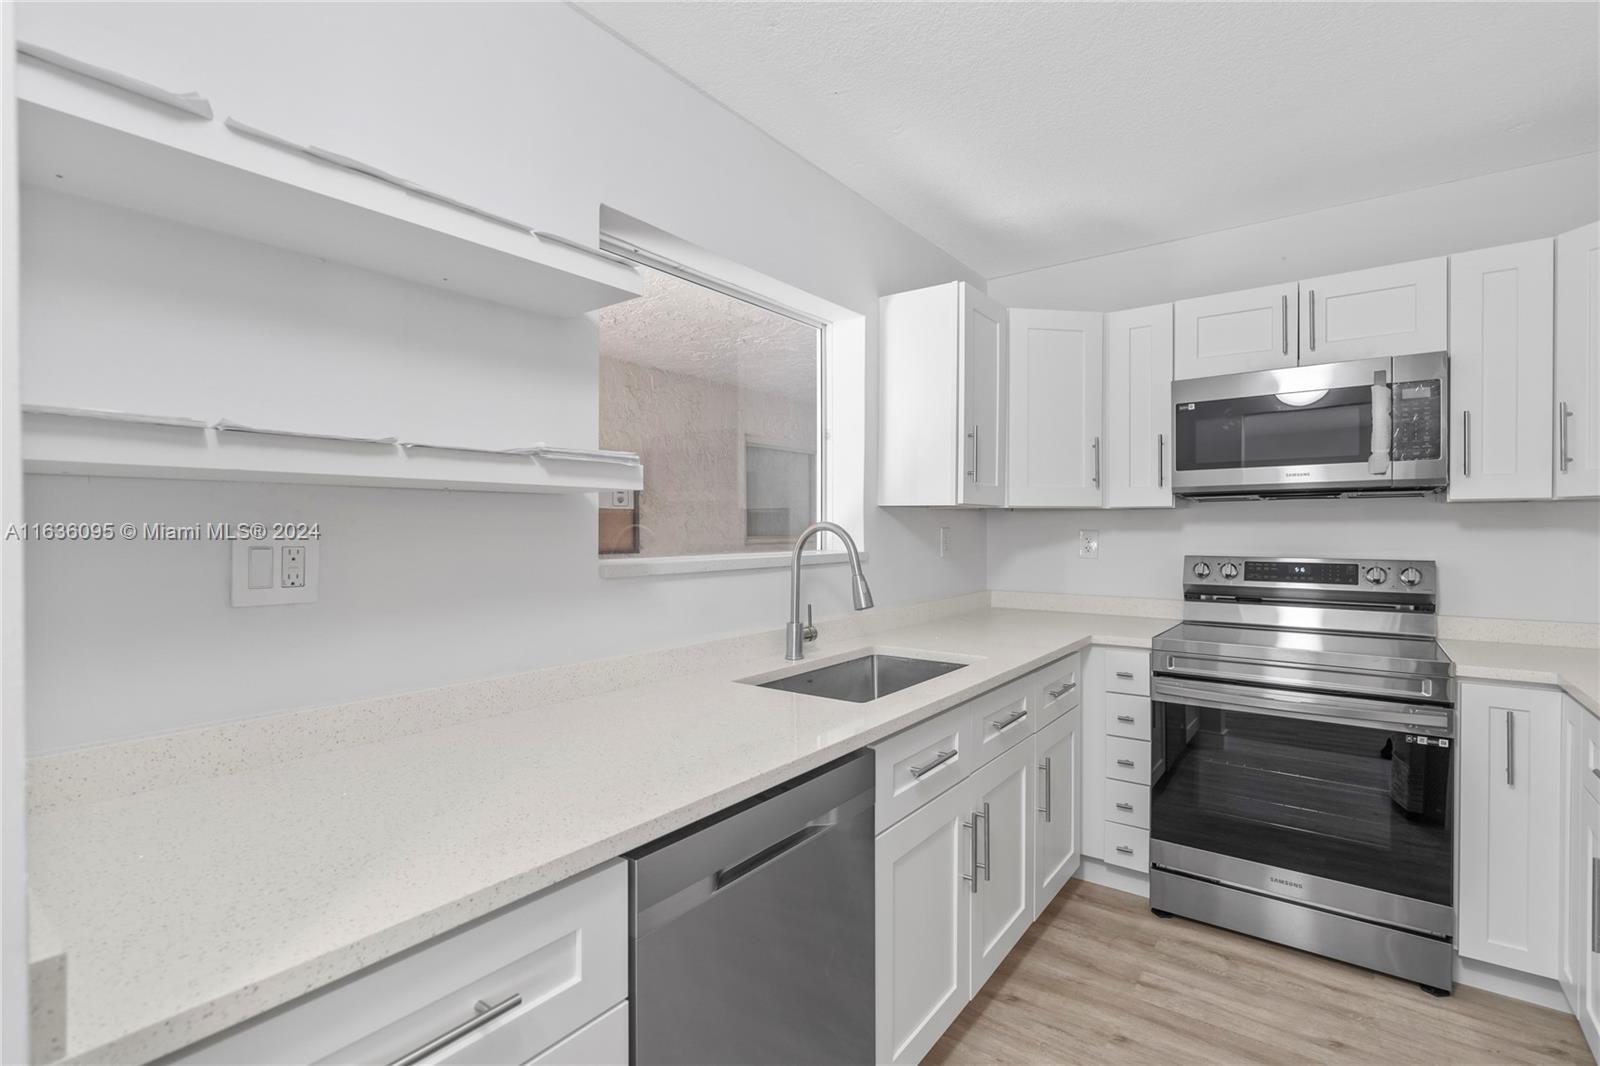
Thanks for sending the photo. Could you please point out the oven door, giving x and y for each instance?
(1324, 428)
(1340, 803)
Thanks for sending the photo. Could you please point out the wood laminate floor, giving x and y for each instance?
(1098, 978)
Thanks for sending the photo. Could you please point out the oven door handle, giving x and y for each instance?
(1314, 707)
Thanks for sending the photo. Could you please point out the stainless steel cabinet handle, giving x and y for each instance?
(1124, 806)
(972, 435)
(1286, 324)
(1595, 772)
(1566, 413)
(1511, 748)
(939, 759)
(1057, 693)
(1126, 675)
(1594, 905)
(1313, 305)
(972, 878)
(1124, 849)
(1466, 443)
(1009, 720)
(1161, 460)
(1125, 718)
(1095, 444)
(483, 1016)
(1046, 785)
(984, 865)
(1125, 762)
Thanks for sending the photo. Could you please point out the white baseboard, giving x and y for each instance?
(1498, 979)
(1123, 880)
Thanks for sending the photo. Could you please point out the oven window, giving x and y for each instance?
(1349, 803)
(1268, 431)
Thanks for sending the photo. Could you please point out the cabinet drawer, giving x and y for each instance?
(603, 1042)
(1128, 760)
(915, 766)
(558, 960)
(1591, 754)
(1128, 671)
(1128, 803)
(1004, 718)
(1128, 846)
(1060, 687)
(1128, 716)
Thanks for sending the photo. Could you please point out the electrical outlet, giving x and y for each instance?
(1088, 543)
(944, 541)
(268, 574)
(294, 567)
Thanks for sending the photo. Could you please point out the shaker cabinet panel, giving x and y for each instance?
(1055, 409)
(1138, 412)
(1577, 411)
(983, 400)
(1236, 332)
(1058, 851)
(1002, 908)
(1382, 311)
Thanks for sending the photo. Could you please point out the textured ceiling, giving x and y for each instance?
(684, 328)
(1017, 136)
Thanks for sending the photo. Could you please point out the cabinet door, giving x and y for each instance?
(1572, 960)
(1502, 320)
(1058, 765)
(983, 400)
(1138, 457)
(1578, 363)
(1256, 329)
(1055, 409)
(1389, 310)
(1510, 838)
(1589, 1006)
(1002, 801)
(925, 880)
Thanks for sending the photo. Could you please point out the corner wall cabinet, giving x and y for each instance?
(943, 398)
(1502, 322)
(1056, 451)
(1577, 412)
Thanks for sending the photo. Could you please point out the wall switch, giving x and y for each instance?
(1088, 543)
(944, 541)
(265, 575)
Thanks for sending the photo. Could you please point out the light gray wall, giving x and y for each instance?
(526, 108)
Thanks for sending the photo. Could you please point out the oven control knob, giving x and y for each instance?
(1377, 575)
(1202, 570)
(1410, 576)
(1230, 571)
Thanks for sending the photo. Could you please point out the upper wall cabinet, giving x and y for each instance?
(1235, 332)
(1138, 417)
(1501, 326)
(943, 398)
(1055, 410)
(1578, 363)
(1390, 310)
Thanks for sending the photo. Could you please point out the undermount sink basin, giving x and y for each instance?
(864, 679)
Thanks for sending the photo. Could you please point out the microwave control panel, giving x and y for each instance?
(1417, 421)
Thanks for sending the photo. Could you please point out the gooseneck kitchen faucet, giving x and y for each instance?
(797, 632)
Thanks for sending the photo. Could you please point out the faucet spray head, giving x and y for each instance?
(859, 592)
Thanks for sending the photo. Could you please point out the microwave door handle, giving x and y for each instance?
(1382, 423)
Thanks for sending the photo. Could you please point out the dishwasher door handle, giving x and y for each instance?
(729, 874)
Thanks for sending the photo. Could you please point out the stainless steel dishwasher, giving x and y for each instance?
(753, 929)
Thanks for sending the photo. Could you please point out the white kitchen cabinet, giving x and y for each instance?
(1588, 1007)
(925, 866)
(1501, 372)
(1235, 332)
(1510, 826)
(1058, 850)
(1577, 411)
(603, 1042)
(1572, 957)
(943, 398)
(1381, 311)
(1138, 411)
(1055, 410)
(1002, 908)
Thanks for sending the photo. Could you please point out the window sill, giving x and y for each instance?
(705, 564)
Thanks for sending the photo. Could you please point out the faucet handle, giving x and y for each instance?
(810, 631)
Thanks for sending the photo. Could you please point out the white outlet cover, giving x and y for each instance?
(1088, 543)
(276, 593)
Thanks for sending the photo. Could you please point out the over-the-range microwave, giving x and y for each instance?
(1354, 428)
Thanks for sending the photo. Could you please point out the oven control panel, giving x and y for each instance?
(1215, 572)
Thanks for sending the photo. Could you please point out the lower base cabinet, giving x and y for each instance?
(1058, 835)
(1002, 907)
(1579, 964)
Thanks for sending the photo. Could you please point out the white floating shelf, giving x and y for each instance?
(116, 447)
(86, 139)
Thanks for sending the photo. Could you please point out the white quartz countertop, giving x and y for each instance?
(1575, 670)
(186, 909)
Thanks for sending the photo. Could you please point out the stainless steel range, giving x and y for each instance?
(1303, 742)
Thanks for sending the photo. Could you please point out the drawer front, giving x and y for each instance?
(1591, 754)
(915, 766)
(1128, 670)
(1128, 803)
(563, 955)
(1128, 760)
(1060, 688)
(1004, 718)
(603, 1042)
(1128, 846)
(1127, 716)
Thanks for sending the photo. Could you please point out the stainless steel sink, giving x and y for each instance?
(864, 679)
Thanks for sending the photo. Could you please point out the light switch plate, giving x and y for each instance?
(290, 570)
(1088, 543)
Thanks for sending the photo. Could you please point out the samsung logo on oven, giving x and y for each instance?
(1297, 473)
(1286, 882)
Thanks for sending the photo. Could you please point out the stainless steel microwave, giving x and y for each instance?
(1365, 426)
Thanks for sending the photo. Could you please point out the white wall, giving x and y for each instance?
(1515, 205)
(528, 109)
